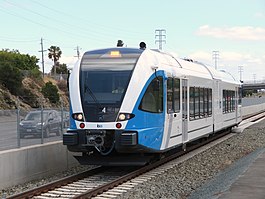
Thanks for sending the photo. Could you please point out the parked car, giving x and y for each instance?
(31, 125)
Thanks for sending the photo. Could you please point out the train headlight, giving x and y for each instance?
(125, 116)
(78, 117)
(122, 117)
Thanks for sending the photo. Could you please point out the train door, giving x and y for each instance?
(184, 111)
(173, 122)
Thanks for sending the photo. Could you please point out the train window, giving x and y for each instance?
(224, 101)
(176, 95)
(192, 102)
(209, 102)
(201, 104)
(232, 101)
(229, 101)
(196, 102)
(205, 101)
(152, 100)
(170, 108)
(230, 97)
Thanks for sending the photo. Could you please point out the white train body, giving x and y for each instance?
(164, 102)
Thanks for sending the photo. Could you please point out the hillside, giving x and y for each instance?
(32, 96)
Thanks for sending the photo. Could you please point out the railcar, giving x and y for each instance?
(129, 105)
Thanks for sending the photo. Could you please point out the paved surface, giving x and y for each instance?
(250, 184)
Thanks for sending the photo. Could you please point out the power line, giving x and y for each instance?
(15, 40)
(69, 33)
(91, 23)
(161, 37)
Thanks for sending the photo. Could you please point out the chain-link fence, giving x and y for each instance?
(24, 127)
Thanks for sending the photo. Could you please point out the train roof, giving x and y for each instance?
(199, 69)
(159, 58)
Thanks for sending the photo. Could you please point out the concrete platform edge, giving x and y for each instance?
(21, 165)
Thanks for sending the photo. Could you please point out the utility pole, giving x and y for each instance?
(42, 58)
(78, 51)
(215, 57)
(240, 70)
(161, 34)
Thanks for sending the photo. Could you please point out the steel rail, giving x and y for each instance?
(50, 186)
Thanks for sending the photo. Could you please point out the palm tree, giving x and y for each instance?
(54, 54)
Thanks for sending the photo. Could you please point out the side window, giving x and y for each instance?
(224, 101)
(201, 102)
(233, 100)
(176, 95)
(196, 102)
(209, 108)
(229, 98)
(170, 108)
(152, 100)
(192, 103)
(205, 101)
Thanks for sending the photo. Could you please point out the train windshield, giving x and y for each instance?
(103, 83)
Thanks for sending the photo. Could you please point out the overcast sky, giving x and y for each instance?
(194, 28)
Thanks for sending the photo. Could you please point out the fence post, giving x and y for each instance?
(18, 121)
(62, 117)
(41, 120)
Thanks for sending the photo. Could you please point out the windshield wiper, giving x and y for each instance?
(94, 98)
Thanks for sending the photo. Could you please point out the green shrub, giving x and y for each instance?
(50, 91)
(10, 78)
(36, 74)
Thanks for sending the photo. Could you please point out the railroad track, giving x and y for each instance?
(108, 182)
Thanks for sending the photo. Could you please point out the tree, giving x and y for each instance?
(54, 54)
(61, 69)
(10, 78)
(50, 91)
(120, 43)
(20, 61)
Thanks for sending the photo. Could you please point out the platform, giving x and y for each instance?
(250, 184)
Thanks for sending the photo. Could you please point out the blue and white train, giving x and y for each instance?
(130, 105)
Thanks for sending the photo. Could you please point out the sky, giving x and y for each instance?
(193, 29)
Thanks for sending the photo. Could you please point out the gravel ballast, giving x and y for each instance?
(198, 177)
(216, 167)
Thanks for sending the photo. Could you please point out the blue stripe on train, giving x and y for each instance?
(150, 126)
(72, 121)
